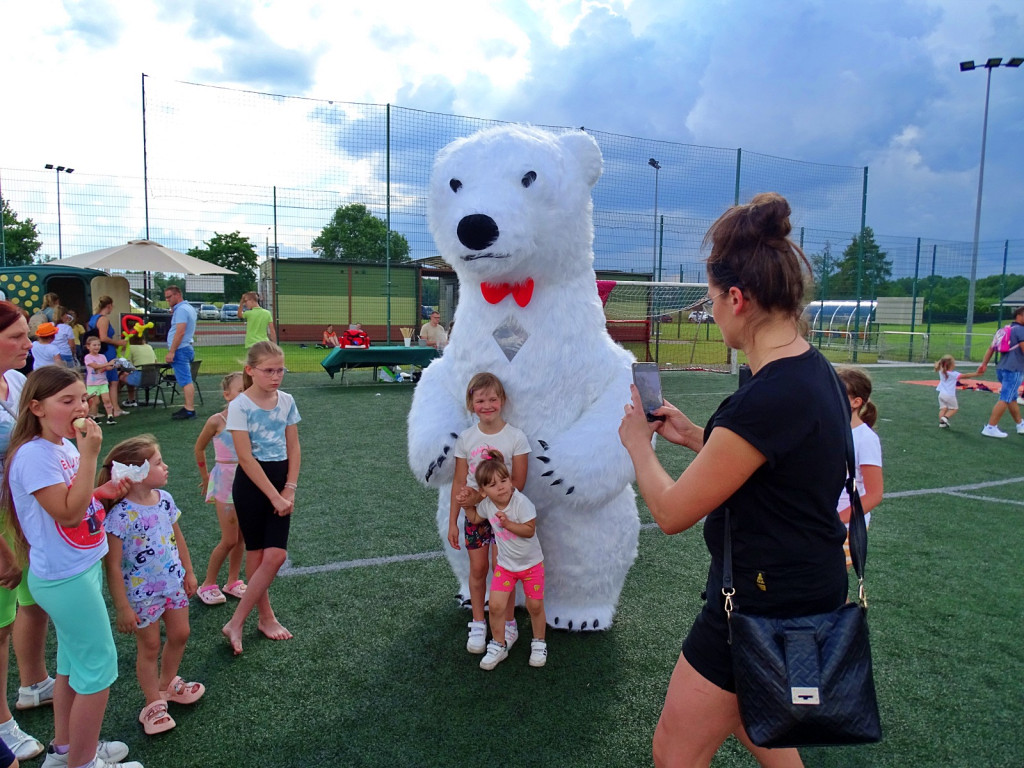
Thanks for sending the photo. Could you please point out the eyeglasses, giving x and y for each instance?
(272, 371)
(707, 303)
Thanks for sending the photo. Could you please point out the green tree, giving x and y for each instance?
(824, 266)
(232, 252)
(875, 269)
(354, 234)
(20, 238)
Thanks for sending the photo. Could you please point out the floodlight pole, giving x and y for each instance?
(59, 169)
(969, 66)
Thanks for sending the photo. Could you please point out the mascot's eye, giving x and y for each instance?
(529, 178)
(455, 184)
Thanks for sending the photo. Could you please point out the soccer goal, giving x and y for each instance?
(664, 323)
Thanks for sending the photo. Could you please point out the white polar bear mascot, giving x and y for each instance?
(510, 210)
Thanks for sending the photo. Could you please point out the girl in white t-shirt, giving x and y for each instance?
(948, 377)
(59, 520)
(867, 450)
(263, 422)
(485, 397)
(520, 559)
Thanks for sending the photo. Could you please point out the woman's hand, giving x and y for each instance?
(677, 428)
(453, 536)
(634, 429)
(468, 497)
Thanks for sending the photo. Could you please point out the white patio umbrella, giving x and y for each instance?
(144, 256)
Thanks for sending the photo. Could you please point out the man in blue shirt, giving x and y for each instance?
(1011, 375)
(179, 348)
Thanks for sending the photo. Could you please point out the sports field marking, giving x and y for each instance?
(344, 565)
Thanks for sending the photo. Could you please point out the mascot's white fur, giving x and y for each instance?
(511, 205)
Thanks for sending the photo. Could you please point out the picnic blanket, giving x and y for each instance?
(983, 386)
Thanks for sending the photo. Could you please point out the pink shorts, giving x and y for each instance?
(532, 578)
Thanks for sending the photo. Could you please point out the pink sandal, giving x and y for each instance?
(154, 718)
(181, 692)
(211, 595)
(235, 589)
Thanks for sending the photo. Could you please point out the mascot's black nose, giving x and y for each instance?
(477, 231)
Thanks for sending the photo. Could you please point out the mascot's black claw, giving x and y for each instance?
(446, 449)
(440, 461)
(556, 621)
(542, 444)
(454, 435)
(570, 623)
(571, 489)
(596, 622)
(545, 459)
(557, 481)
(549, 472)
(583, 626)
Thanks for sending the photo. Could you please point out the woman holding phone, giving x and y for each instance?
(773, 454)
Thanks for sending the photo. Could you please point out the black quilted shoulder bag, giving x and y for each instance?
(807, 681)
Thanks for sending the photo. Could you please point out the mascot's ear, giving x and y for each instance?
(582, 147)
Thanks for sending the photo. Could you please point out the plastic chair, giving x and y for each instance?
(171, 380)
(152, 380)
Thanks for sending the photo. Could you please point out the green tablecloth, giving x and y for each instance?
(343, 358)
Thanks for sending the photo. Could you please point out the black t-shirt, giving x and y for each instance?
(787, 540)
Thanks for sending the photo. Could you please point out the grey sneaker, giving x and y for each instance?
(35, 695)
(496, 653)
(23, 746)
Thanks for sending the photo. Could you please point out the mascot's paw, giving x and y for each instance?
(435, 465)
(462, 598)
(579, 618)
(550, 474)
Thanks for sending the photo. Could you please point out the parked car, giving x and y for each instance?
(700, 316)
(229, 313)
(426, 312)
(209, 312)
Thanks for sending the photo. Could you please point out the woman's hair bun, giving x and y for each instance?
(769, 213)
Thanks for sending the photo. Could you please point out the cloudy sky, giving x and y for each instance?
(873, 83)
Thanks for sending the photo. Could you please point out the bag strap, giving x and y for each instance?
(858, 527)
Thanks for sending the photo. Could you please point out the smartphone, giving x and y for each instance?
(648, 381)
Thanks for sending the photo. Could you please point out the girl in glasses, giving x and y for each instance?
(263, 423)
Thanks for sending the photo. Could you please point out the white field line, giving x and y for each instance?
(953, 490)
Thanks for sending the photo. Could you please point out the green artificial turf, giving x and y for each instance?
(378, 675)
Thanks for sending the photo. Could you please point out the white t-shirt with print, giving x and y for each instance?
(266, 427)
(947, 383)
(55, 551)
(473, 443)
(867, 449)
(514, 552)
(8, 411)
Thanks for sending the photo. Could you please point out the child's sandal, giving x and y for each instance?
(181, 692)
(211, 595)
(154, 718)
(235, 589)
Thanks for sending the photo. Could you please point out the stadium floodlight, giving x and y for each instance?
(59, 169)
(967, 66)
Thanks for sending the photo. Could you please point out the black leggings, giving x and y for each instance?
(260, 525)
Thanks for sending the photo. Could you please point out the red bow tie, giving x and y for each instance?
(521, 292)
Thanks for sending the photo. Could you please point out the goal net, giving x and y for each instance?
(664, 323)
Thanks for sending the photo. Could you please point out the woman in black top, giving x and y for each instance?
(773, 453)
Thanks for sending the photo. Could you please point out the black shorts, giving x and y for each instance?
(261, 527)
(706, 647)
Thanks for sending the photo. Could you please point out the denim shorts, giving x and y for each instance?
(1010, 381)
(182, 365)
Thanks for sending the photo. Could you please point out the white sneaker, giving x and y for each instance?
(538, 653)
(23, 746)
(1020, 427)
(99, 762)
(477, 641)
(35, 695)
(943, 421)
(107, 753)
(511, 634)
(496, 653)
(991, 430)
